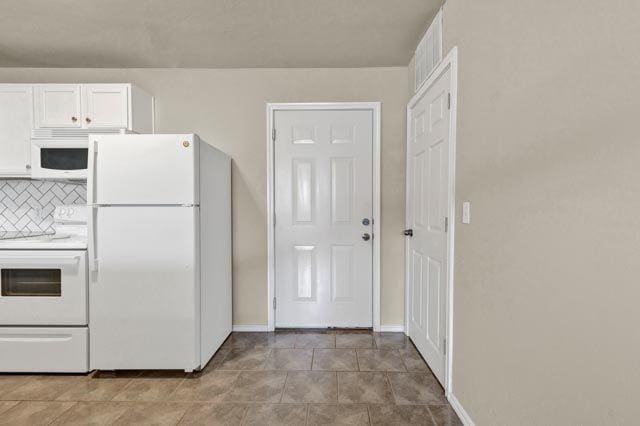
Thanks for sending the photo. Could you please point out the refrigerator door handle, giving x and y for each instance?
(91, 246)
(93, 165)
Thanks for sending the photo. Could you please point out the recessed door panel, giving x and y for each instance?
(323, 181)
(435, 211)
(305, 272)
(416, 288)
(303, 134)
(342, 133)
(342, 272)
(303, 190)
(434, 277)
(342, 190)
(419, 183)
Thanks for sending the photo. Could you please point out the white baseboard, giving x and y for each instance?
(460, 411)
(261, 327)
(251, 327)
(392, 328)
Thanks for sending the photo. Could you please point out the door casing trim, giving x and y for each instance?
(449, 62)
(375, 107)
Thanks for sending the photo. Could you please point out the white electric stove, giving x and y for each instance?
(43, 297)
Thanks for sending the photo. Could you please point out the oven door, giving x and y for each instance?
(59, 159)
(43, 287)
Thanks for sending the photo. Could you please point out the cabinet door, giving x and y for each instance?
(106, 106)
(58, 105)
(16, 122)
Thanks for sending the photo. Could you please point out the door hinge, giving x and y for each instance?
(449, 101)
(274, 303)
(273, 134)
(446, 224)
(274, 219)
(444, 346)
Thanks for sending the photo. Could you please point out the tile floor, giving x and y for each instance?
(282, 378)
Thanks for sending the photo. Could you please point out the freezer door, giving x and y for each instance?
(144, 290)
(143, 169)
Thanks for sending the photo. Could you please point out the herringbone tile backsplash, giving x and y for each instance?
(27, 205)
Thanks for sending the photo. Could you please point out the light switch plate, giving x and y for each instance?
(466, 212)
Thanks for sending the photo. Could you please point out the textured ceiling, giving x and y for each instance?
(211, 33)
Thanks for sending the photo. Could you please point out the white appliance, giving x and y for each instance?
(159, 251)
(43, 298)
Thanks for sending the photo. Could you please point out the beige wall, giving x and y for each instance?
(227, 108)
(547, 274)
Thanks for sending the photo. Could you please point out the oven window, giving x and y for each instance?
(31, 282)
(63, 158)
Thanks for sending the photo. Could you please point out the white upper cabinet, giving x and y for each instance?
(16, 122)
(58, 105)
(65, 112)
(93, 106)
(106, 106)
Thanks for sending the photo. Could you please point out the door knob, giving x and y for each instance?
(74, 119)
(88, 120)
(366, 237)
(366, 221)
(408, 232)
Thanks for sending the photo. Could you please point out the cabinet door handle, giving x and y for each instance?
(88, 120)
(28, 166)
(74, 119)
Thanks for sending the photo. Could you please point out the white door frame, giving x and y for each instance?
(449, 62)
(322, 106)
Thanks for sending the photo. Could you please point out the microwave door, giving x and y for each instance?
(63, 159)
(59, 159)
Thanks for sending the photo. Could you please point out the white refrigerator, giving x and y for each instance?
(159, 251)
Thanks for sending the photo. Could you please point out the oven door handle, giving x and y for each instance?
(42, 259)
(91, 230)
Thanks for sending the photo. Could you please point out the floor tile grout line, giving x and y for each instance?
(393, 393)
(433, 418)
(185, 413)
(243, 421)
(60, 415)
(286, 377)
(313, 355)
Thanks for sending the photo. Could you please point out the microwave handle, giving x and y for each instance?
(91, 231)
(40, 259)
(92, 166)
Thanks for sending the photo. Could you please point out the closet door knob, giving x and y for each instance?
(74, 119)
(88, 120)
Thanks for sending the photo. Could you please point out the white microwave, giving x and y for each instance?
(59, 159)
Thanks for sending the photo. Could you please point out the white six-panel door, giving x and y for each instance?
(428, 148)
(323, 209)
